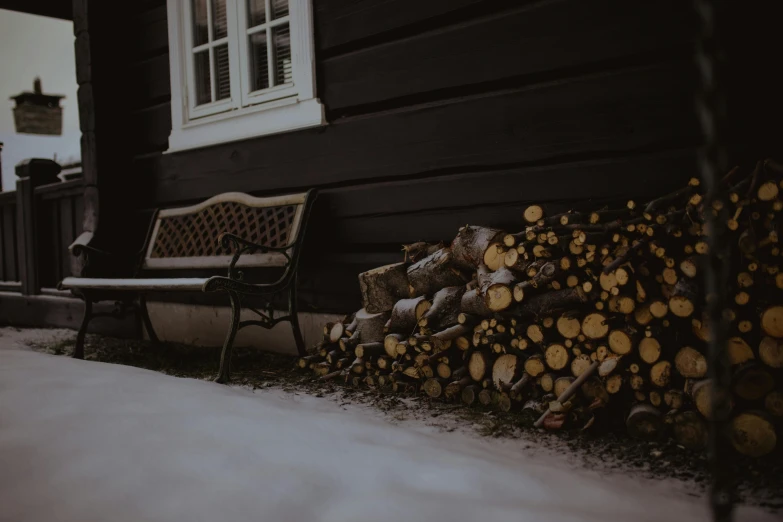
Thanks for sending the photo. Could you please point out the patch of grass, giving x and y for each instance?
(63, 347)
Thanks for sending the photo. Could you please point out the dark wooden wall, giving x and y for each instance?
(9, 265)
(442, 113)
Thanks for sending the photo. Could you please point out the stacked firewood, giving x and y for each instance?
(584, 316)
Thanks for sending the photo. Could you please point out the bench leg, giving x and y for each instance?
(224, 373)
(78, 351)
(293, 312)
(145, 317)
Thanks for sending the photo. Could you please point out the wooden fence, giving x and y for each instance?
(37, 224)
(9, 264)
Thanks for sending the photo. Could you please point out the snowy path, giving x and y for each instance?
(86, 441)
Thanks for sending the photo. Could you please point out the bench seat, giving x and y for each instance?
(136, 285)
(230, 231)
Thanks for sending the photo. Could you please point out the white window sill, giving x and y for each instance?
(287, 115)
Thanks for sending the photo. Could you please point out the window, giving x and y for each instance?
(239, 69)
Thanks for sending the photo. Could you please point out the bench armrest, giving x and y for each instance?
(82, 245)
(242, 246)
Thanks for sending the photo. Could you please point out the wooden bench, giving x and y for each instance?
(232, 231)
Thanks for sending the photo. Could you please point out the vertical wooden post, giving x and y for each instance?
(31, 173)
(105, 156)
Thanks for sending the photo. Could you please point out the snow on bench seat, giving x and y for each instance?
(171, 284)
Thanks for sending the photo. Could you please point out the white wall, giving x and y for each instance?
(36, 46)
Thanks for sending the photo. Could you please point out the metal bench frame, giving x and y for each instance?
(287, 230)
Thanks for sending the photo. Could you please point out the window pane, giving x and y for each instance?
(203, 80)
(200, 30)
(281, 36)
(259, 69)
(256, 12)
(222, 74)
(219, 24)
(279, 9)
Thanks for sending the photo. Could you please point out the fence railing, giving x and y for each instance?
(37, 224)
(9, 264)
(59, 210)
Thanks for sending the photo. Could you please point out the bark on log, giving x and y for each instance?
(445, 309)
(406, 314)
(442, 339)
(473, 303)
(454, 388)
(644, 422)
(382, 287)
(496, 287)
(470, 394)
(542, 274)
(417, 251)
(433, 273)
(472, 243)
(365, 351)
(369, 327)
(551, 302)
(689, 429)
(485, 397)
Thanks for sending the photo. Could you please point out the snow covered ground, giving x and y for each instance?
(87, 441)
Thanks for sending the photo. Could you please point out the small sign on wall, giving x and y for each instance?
(38, 113)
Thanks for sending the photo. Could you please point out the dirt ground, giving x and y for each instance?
(605, 449)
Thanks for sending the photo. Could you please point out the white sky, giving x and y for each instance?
(36, 46)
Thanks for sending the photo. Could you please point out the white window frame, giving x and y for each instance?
(245, 114)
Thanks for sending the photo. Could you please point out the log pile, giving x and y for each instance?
(584, 317)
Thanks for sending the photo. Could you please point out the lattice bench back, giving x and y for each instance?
(187, 237)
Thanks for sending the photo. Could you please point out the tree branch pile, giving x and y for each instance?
(584, 317)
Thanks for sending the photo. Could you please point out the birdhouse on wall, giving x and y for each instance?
(38, 113)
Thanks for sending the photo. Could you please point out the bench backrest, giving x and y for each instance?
(187, 237)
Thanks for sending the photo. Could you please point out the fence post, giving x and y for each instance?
(31, 173)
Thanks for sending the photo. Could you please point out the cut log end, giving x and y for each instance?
(556, 356)
(753, 434)
(772, 321)
(533, 213)
(594, 326)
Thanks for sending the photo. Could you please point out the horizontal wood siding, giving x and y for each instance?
(443, 113)
(631, 109)
(149, 124)
(535, 38)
